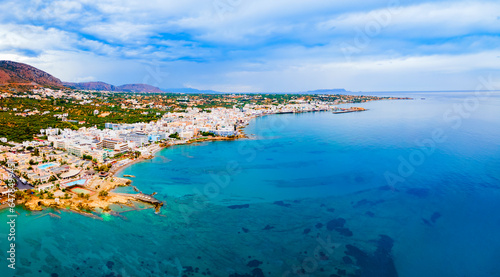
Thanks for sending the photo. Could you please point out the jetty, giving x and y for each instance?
(146, 198)
(349, 110)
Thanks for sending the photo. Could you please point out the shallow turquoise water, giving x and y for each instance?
(275, 203)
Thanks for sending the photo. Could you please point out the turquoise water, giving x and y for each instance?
(408, 188)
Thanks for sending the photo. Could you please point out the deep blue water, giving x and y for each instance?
(408, 188)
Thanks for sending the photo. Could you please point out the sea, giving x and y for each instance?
(407, 188)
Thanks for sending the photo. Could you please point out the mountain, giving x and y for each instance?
(191, 90)
(138, 88)
(20, 73)
(107, 87)
(90, 86)
(327, 91)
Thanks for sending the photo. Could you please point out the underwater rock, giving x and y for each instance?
(306, 231)
(419, 192)
(367, 202)
(254, 263)
(243, 206)
(188, 269)
(281, 203)
(319, 225)
(110, 264)
(347, 260)
(268, 227)
(335, 223)
(435, 216)
(380, 263)
(245, 230)
(256, 272)
(344, 231)
(357, 253)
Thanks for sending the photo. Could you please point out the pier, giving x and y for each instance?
(349, 110)
(145, 198)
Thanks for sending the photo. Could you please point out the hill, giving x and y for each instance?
(107, 87)
(328, 91)
(90, 86)
(23, 74)
(138, 88)
(192, 90)
(20, 74)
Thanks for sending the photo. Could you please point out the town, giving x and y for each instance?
(74, 167)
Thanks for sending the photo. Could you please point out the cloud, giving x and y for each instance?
(256, 45)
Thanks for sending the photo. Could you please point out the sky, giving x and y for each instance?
(258, 45)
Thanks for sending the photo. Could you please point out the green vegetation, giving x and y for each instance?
(87, 157)
(174, 135)
(207, 134)
(22, 118)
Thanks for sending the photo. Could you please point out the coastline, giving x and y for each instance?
(127, 199)
(114, 172)
(243, 135)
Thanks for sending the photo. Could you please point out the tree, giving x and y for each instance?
(103, 193)
(87, 157)
(174, 135)
(19, 193)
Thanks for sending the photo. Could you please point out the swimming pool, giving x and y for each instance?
(77, 182)
(47, 165)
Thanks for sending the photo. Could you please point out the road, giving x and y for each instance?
(20, 184)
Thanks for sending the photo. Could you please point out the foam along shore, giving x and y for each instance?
(96, 195)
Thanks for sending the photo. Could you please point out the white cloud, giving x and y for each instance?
(255, 45)
(422, 20)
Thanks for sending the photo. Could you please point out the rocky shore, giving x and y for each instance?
(98, 197)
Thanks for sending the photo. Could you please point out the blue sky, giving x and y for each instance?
(243, 45)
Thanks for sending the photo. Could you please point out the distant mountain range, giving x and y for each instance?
(14, 73)
(107, 87)
(327, 91)
(318, 91)
(191, 90)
